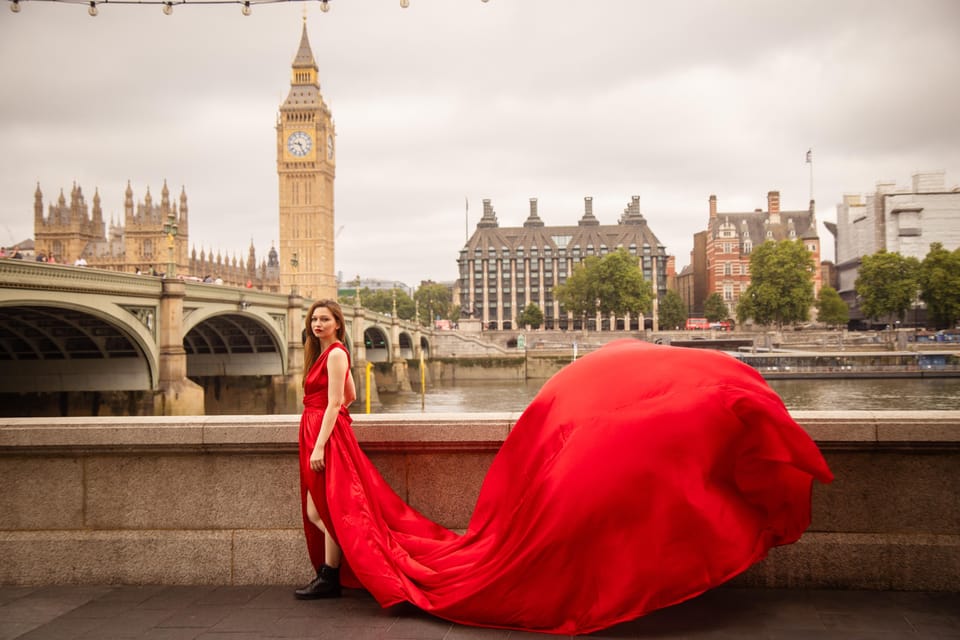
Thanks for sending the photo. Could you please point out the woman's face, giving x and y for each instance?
(323, 325)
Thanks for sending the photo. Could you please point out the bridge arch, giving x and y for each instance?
(377, 344)
(72, 346)
(227, 342)
(425, 347)
(405, 342)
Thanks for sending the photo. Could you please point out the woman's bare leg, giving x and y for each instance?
(331, 551)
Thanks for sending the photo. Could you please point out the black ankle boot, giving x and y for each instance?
(325, 585)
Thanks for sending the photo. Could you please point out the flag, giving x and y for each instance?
(809, 156)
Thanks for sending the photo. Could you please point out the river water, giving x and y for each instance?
(832, 395)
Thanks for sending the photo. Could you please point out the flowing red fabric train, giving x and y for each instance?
(640, 476)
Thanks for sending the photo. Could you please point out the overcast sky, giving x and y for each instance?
(456, 100)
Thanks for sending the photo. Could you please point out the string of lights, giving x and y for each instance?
(168, 5)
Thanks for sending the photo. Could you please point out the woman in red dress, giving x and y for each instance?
(639, 477)
(324, 409)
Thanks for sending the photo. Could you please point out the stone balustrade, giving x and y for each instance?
(214, 499)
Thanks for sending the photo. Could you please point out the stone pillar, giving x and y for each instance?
(177, 395)
(288, 389)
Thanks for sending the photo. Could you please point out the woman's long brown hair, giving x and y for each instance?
(311, 344)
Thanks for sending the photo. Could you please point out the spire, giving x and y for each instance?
(165, 197)
(304, 58)
(38, 206)
(304, 82)
(184, 226)
(128, 204)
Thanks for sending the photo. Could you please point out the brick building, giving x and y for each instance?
(721, 259)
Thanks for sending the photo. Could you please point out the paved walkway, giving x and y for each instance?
(249, 613)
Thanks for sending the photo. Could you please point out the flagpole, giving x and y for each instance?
(810, 162)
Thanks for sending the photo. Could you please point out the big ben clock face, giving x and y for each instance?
(299, 144)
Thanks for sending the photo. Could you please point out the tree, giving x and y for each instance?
(831, 309)
(714, 308)
(781, 284)
(887, 284)
(531, 316)
(434, 301)
(673, 311)
(939, 281)
(381, 301)
(609, 285)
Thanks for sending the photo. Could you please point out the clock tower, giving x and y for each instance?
(306, 167)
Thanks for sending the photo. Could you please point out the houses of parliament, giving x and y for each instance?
(72, 231)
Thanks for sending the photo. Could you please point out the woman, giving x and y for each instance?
(640, 476)
(328, 391)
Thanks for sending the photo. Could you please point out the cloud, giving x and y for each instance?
(553, 99)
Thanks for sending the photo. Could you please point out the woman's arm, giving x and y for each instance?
(336, 370)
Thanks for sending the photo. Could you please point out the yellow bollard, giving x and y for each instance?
(423, 385)
(367, 385)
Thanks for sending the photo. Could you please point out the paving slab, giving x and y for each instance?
(272, 613)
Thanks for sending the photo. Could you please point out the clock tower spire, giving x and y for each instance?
(306, 170)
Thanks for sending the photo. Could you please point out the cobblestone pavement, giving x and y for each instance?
(248, 613)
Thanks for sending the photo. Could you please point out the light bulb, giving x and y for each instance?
(93, 9)
(404, 4)
(484, 1)
(167, 8)
(324, 5)
(246, 8)
(15, 6)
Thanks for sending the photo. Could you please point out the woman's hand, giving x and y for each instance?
(317, 462)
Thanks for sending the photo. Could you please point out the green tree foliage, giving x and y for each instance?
(672, 311)
(781, 284)
(612, 284)
(887, 284)
(831, 309)
(714, 308)
(435, 301)
(381, 300)
(531, 316)
(939, 281)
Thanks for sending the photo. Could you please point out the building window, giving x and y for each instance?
(561, 241)
(148, 248)
(747, 247)
(728, 292)
(726, 269)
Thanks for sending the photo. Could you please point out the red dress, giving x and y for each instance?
(639, 477)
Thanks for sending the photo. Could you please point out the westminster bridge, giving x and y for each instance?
(76, 329)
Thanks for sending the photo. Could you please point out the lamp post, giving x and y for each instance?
(170, 229)
(294, 263)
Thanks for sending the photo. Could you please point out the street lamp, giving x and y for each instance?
(294, 263)
(170, 229)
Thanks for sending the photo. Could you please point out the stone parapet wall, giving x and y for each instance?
(214, 499)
